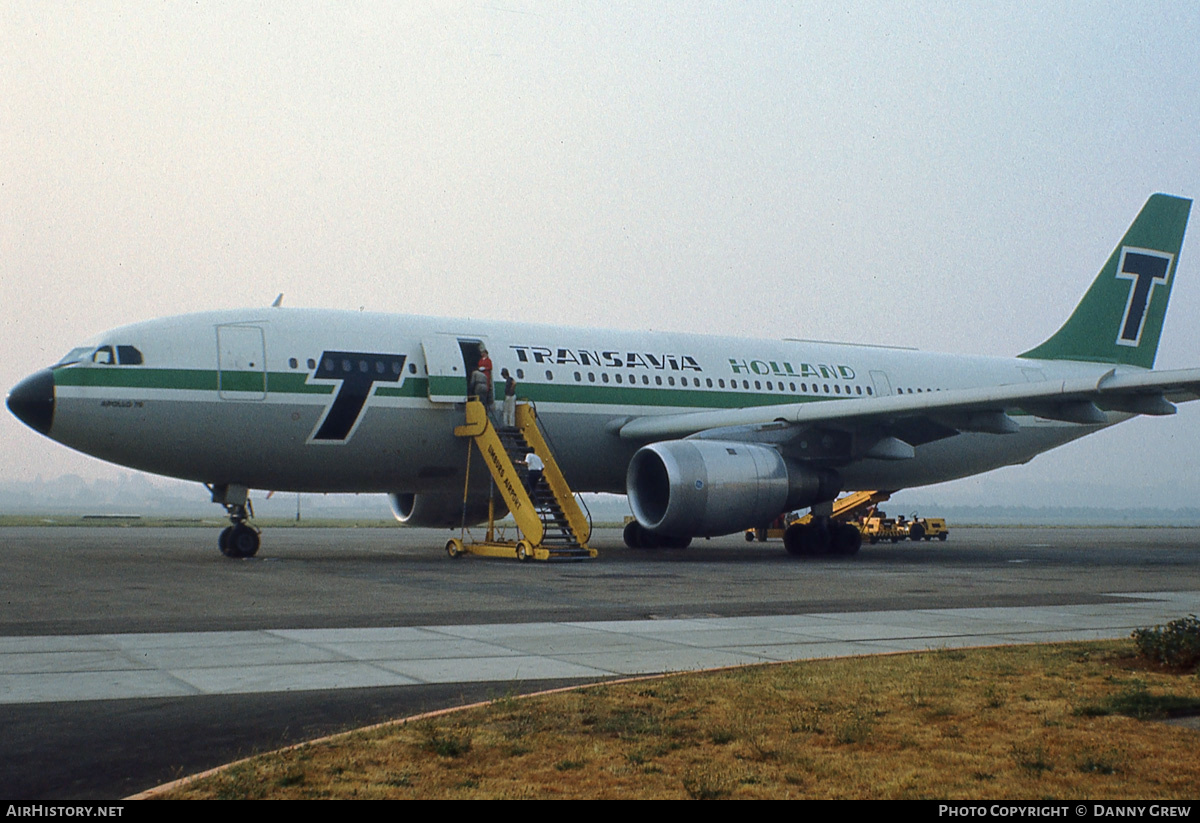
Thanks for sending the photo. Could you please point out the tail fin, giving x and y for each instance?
(1120, 318)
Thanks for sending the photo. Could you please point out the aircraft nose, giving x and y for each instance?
(32, 401)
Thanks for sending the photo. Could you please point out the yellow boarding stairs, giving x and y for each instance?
(551, 524)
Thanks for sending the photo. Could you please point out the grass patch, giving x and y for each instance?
(1060, 721)
(1138, 702)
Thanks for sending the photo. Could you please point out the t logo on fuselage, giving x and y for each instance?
(1145, 268)
(358, 372)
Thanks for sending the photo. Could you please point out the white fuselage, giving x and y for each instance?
(335, 401)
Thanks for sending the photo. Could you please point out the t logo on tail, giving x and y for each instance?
(1145, 269)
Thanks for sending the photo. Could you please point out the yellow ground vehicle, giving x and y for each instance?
(928, 528)
(878, 526)
(844, 509)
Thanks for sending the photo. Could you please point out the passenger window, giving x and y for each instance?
(578, 377)
(293, 362)
(618, 376)
(604, 376)
(671, 381)
(312, 364)
(591, 377)
(549, 374)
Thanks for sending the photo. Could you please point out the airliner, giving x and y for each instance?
(706, 435)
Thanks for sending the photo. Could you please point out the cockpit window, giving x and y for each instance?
(74, 356)
(129, 356)
(112, 355)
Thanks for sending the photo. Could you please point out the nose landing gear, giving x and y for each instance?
(239, 539)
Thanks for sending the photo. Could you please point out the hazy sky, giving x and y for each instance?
(943, 175)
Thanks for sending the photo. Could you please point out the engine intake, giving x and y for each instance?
(694, 488)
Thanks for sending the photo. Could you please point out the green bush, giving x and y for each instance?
(1176, 645)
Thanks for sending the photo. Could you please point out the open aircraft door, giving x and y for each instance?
(448, 359)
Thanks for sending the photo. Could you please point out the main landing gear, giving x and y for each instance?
(637, 537)
(239, 539)
(823, 535)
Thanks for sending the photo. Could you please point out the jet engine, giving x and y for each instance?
(693, 488)
(441, 511)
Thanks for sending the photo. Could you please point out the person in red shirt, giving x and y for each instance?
(485, 366)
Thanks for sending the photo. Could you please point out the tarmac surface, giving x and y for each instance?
(131, 656)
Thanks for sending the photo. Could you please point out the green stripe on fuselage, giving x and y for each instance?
(139, 377)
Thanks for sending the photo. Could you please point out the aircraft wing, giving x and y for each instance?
(927, 416)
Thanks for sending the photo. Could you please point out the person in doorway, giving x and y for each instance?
(510, 399)
(479, 387)
(485, 365)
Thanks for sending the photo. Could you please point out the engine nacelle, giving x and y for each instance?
(441, 511)
(695, 488)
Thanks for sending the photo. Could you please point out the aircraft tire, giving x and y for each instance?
(847, 540)
(942, 537)
(638, 538)
(243, 541)
(817, 540)
(916, 532)
(223, 542)
(632, 534)
(676, 542)
(793, 539)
